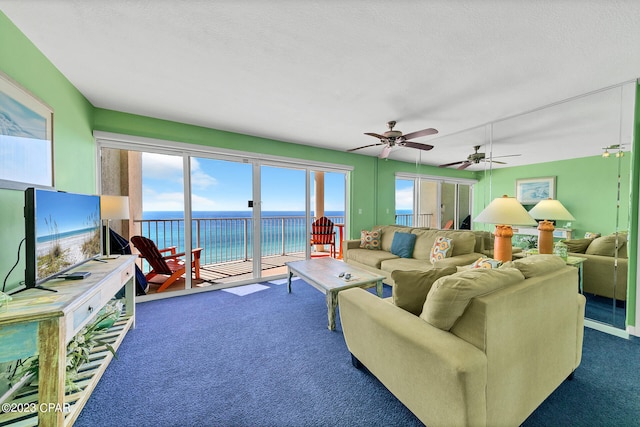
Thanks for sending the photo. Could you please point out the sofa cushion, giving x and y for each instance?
(450, 295)
(410, 288)
(424, 243)
(442, 248)
(402, 244)
(405, 264)
(370, 239)
(370, 258)
(463, 241)
(386, 234)
(536, 265)
(577, 246)
(606, 245)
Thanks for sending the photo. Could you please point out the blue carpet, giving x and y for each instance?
(268, 359)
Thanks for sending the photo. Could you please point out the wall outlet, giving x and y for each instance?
(360, 211)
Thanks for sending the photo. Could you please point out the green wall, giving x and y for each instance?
(74, 147)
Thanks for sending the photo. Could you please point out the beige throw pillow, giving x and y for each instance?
(577, 246)
(410, 288)
(450, 295)
(606, 245)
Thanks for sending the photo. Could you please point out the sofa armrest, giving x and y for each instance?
(352, 244)
(416, 361)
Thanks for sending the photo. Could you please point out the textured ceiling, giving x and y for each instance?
(322, 73)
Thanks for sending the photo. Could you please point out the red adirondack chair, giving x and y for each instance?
(323, 233)
(165, 261)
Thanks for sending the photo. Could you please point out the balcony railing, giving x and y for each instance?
(424, 220)
(231, 239)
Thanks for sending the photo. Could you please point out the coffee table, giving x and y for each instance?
(322, 274)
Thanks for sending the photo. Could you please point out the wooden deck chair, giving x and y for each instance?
(165, 261)
(322, 233)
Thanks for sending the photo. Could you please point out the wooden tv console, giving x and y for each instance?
(42, 322)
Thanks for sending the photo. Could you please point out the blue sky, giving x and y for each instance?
(219, 185)
(404, 194)
(67, 210)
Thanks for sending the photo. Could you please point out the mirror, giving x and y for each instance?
(566, 141)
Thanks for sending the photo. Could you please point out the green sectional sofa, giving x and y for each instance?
(467, 248)
(601, 274)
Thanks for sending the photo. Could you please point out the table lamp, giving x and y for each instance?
(113, 207)
(546, 210)
(504, 212)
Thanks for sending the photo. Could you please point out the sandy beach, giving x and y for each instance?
(71, 247)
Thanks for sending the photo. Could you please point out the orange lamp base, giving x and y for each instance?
(502, 249)
(545, 237)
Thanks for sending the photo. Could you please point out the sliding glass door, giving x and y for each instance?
(248, 217)
(433, 202)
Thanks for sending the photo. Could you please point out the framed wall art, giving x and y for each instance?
(26, 138)
(530, 191)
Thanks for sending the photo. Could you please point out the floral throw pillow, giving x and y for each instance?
(442, 247)
(486, 263)
(590, 235)
(370, 239)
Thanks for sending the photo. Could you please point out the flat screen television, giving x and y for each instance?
(62, 231)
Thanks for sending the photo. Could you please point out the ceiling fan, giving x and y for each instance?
(476, 158)
(393, 138)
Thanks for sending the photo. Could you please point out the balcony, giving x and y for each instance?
(227, 244)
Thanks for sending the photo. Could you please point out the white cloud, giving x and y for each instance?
(154, 201)
(404, 198)
(200, 179)
(162, 166)
(169, 168)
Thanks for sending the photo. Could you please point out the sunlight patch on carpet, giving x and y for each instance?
(278, 282)
(246, 289)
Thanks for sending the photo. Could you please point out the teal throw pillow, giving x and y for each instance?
(402, 244)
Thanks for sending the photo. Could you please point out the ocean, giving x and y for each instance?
(228, 235)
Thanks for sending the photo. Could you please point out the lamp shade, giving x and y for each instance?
(550, 209)
(114, 207)
(505, 210)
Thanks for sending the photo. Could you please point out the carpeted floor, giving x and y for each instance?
(266, 358)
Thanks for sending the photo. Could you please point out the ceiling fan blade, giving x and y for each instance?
(508, 155)
(375, 135)
(417, 145)
(464, 165)
(385, 152)
(365, 146)
(451, 164)
(495, 161)
(423, 132)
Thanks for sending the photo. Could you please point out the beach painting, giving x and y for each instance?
(531, 191)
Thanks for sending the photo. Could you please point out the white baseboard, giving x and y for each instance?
(608, 329)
